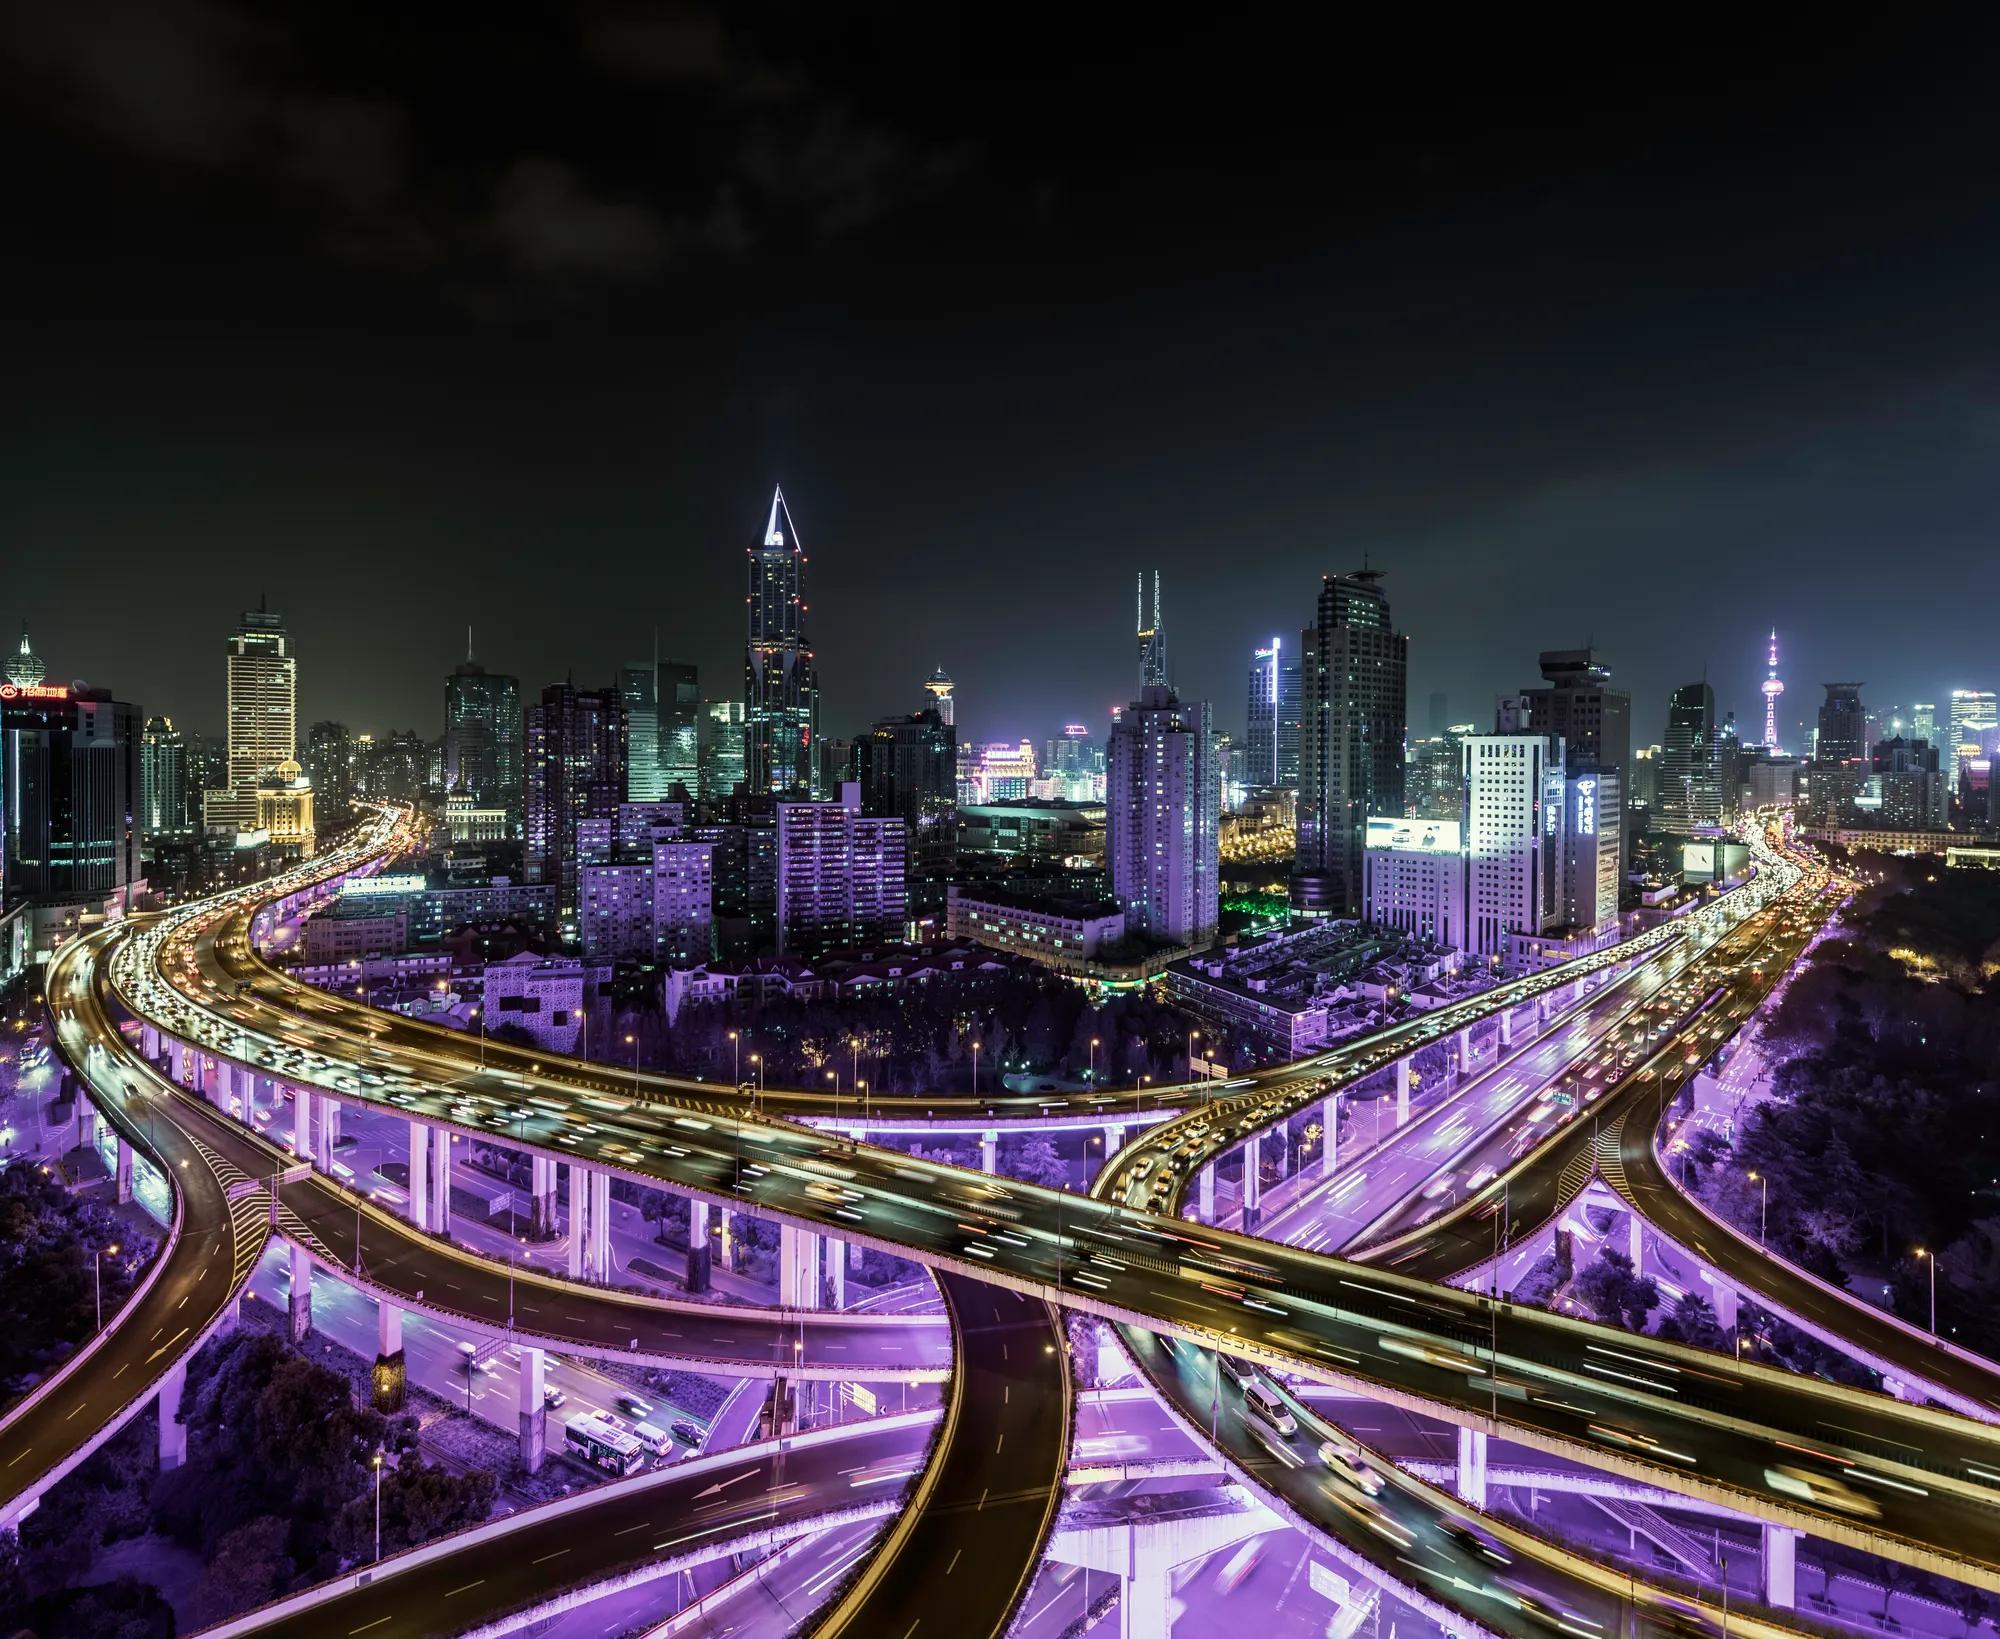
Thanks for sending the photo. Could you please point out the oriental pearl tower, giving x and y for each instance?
(1772, 689)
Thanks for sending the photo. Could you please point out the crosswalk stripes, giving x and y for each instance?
(1575, 1175)
(1611, 1157)
(298, 1231)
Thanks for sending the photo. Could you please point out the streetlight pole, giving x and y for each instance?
(97, 1269)
(1926, 1256)
(834, 1077)
(378, 1507)
(736, 1042)
(1764, 1205)
(632, 1042)
(975, 1070)
(1093, 1061)
(1193, 1037)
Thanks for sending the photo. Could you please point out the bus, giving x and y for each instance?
(1263, 1404)
(597, 1440)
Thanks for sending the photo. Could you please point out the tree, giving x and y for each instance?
(1612, 1292)
(249, 1567)
(1035, 1161)
(1974, 1605)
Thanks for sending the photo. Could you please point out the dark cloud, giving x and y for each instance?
(549, 222)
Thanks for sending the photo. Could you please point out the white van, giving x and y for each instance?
(656, 1440)
(1263, 1404)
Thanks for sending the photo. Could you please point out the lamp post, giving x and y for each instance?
(378, 1507)
(1922, 1253)
(479, 1013)
(757, 1064)
(861, 1087)
(975, 1069)
(632, 1042)
(97, 1269)
(736, 1042)
(854, 1061)
(834, 1077)
(1092, 1077)
(1193, 1037)
(1764, 1205)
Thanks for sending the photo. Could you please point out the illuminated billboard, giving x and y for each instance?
(1414, 836)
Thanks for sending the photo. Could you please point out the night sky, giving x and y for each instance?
(1655, 337)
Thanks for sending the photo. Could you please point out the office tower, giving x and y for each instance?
(1577, 703)
(1690, 781)
(164, 810)
(1514, 838)
(1162, 819)
(329, 766)
(940, 688)
(24, 667)
(1974, 715)
(721, 750)
(1592, 866)
(1730, 756)
(639, 688)
(1923, 723)
(1439, 715)
(679, 691)
(780, 685)
(834, 766)
(1773, 689)
(840, 875)
(1414, 878)
(482, 737)
(1843, 729)
(575, 769)
(908, 767)
(1272, 743)
(261, 680)
(1152, 638)
(1435, 782)
(69, 765)
(1907, 790)
(1354, 678)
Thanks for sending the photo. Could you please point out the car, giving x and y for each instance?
(686, 1432)
(1345, 1460)
(553, 1398)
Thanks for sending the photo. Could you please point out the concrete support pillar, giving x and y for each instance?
(1253, 1181)
(579, 1217)
(123, 1171)
(798, 1268)
(173, 1432)
(1462, 1047)
(420, 1175)
(1506, 1017)
(989, 1152)
(299, 1301)
(1205, 1193)
(1781, 1570)
(1114, 1141)
(86, 1121)
(534, 1413)
(833, 1257)
(542, 1187)
(1635, 1238)
(390, 1375)
(1470, 1483)
(149, 1042)
(440, 1223)
(1545, 1005)
(700, 1256)
(1329, 1149)
(1402, 1090)
(600, 1226)
(1724, 1299)
(327, 1130)
(302, 1110)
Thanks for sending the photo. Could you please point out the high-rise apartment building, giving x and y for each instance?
(1162, 801)
(1843, 726)
(330, 769)
(780, 684)
(261, 679)
(575, 768)
(1354, 682)
(1690, 773)
(69, 765)
(840, 875)
(164, 808)
(482, 737)
(1975, 716)
(1272, 740)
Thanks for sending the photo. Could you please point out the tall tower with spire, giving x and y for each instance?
(1152, 638)
(1772, 689)
(780, 683)
(24, 666)
(939, 687)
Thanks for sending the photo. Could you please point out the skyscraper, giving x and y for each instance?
(940, 687)
(1162, 792)
(1152, 638)
(69, 764)
(1974, 717)
(639, 688)
(1594, 722)
(1690, 777)
(329, 766)
(1514, 836)
(575, 769)
(1843, 726)
(721, 748)
(1773, 689)
(1354, 714)
(482, 736)
(679, 693)
(1272, 742)
(780, 685)
(24, 667)
(1923, 723)
(164, 810)
(261, 679)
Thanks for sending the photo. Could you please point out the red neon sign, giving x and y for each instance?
(33, 691)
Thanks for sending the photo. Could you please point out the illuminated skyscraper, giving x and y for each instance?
(261, 681)
(575, 769)
(1354, 696)
(679, 691)
(1690, 777)
(639, 688)
(939, 687)
(164, 810)
(721, 748)
(1273, 717)
(24, 666)
(482, 736)
(1161, 817)
(1152, 638)
(780, 686)
(1773, 688)
(1843, 726)
(1973, 720)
